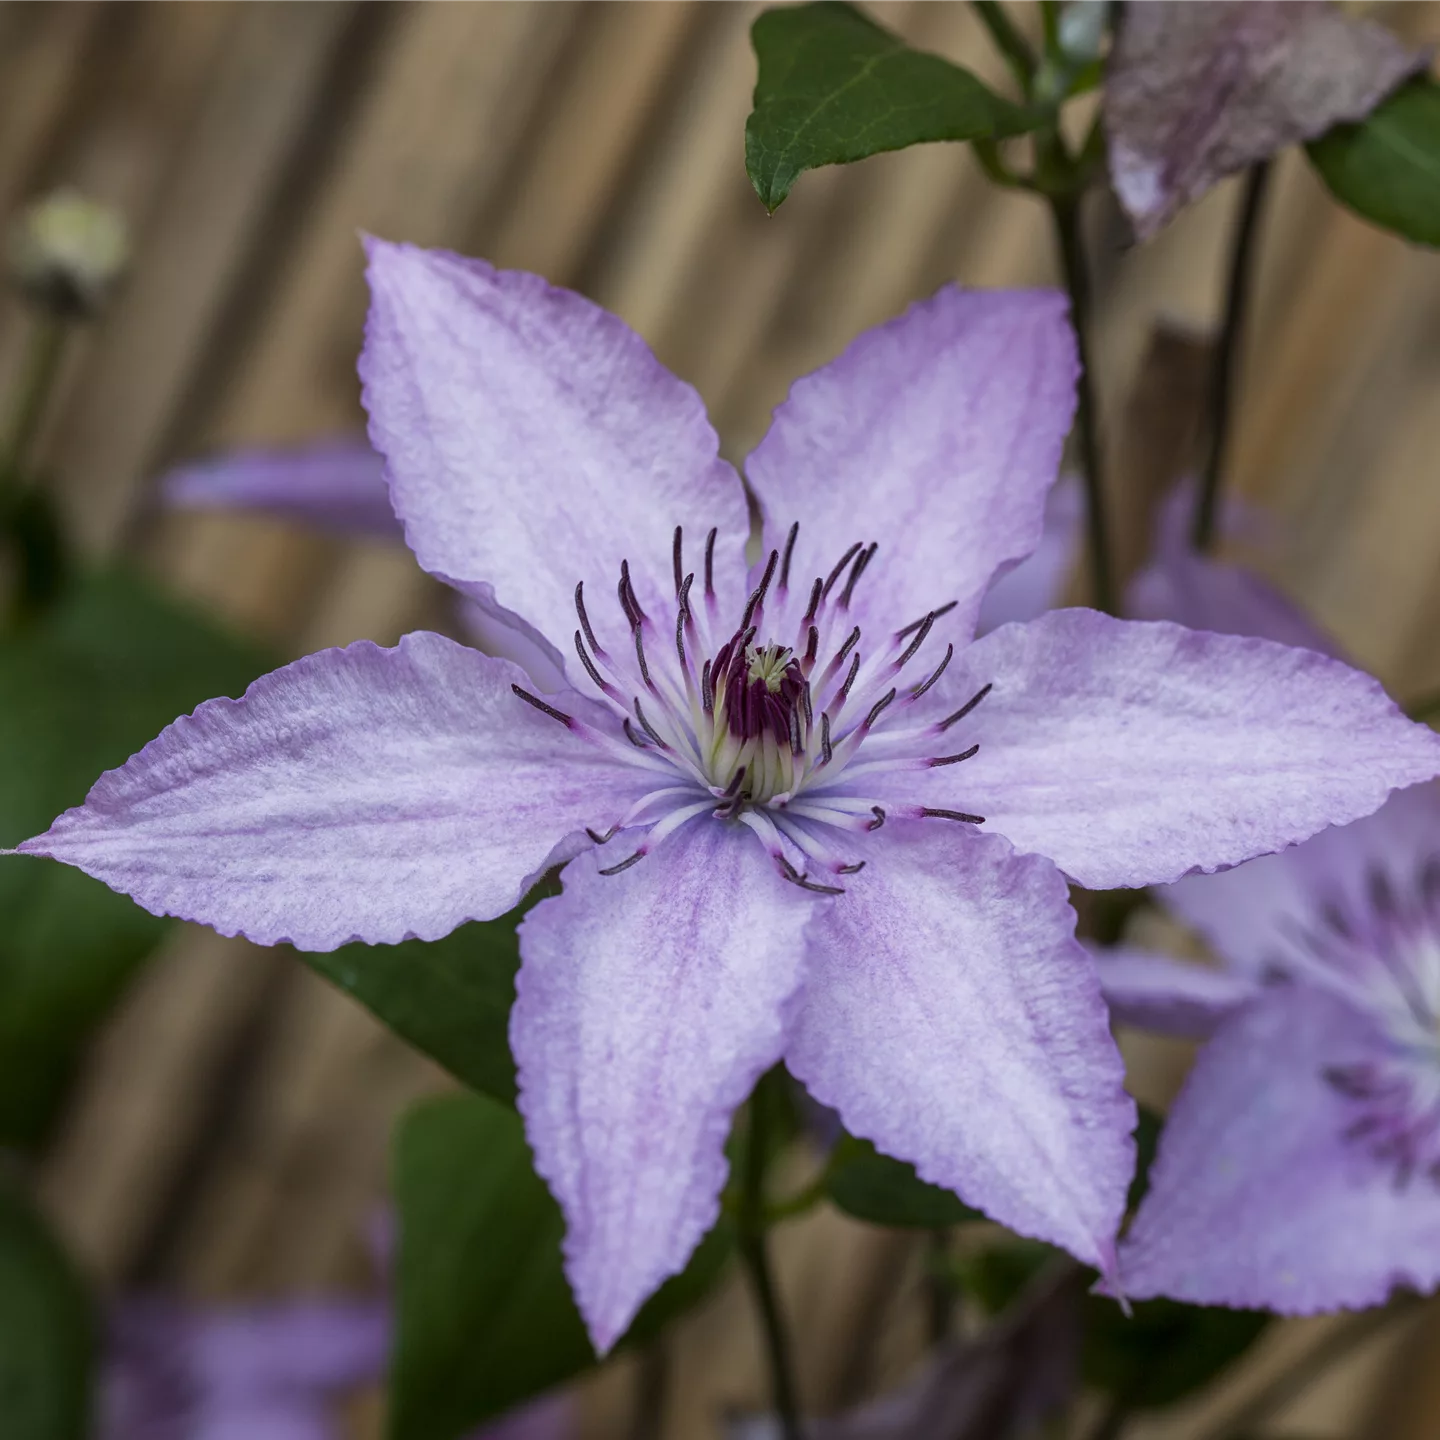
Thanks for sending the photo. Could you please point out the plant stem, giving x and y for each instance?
(1342, 1339)
(1222, 377)
(1008, 40)
(1066, 212)
(41, 364)
(755, 1254)
(652, 1384)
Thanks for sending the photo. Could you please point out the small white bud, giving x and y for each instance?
(67, 252)
(1082, 28)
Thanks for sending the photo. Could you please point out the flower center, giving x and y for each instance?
(763, 722)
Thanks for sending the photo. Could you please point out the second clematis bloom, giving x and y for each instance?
(805, 818)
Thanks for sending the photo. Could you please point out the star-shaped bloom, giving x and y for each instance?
(1299, 1169)
(805, 818)
(1199, 89)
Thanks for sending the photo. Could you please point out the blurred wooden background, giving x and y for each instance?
(230, 1133)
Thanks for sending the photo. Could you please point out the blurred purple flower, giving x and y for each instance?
(1298, 1170)
(937, 997)
(1199, 89)
(260, 1372)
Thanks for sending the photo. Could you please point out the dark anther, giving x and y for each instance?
(757, 597)
(864, 558)
(814, 604)
(640, 656)
(736, 781)
(918, 641)
(789, 551)
(648, 728)
(851, 641)
(635, 859)
(629, 601)
(952, 815)
(812, 647)
(589, 665)
(879, 819)
(710, 562)
(967, 707)
(682, 616)
(940, 670)
(955, 759)
(806, 705)
(854, 869)
(835, 574)
(566, 720)
(844, 692)
(1382, 894)
(632, 737)
(826, 749)
(677, 557)
(707, 689)
(585, 619)
(600, 839)
(879, 708)
(795, 877)
(935, 614)
(797, 745)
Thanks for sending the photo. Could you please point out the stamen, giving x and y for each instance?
(909, 653)
(966, 708)
(605, 687)
(827, 750)
(707, 689)
(845, 559)
(843, 693)
(789, 550)
(595, 645)
(866, 556)
(568, 721)
(631, 736)
(878, 709)
(954, 759)
(814, 605)
(757, 598)
(812, 649)
(795, 877)
(648, 728)
(952, 815)
(676, 557)
(935, 614)
(600, 839)
(917, 693)
(854, 869)
(879, 819)
(635, 859)
(682, 619)
(736, 781)
(710, 562)
(640, 656)
(851, 641)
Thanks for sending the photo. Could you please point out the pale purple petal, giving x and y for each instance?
(553, 1417)
(496, 634)
(338, 484)
(1037, 583)
(1250, 914)
(648, 1003)
(357, 794)
(300, 1346)
(291, 1418)
(532, 440)
(1195, 92)
(950, 1016)
(1169, 996)
(1132, 754)
(937, 436)
(1257, 1199)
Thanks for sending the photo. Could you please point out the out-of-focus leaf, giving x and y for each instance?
(871, 1186)
(1387, 168)
(486, 1318)
(1163, 1352)
(82, 687)
(995, 1276)
(46, 1331)
(833, 87)
(1147, 1142)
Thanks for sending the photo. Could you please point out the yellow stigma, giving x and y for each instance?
(767, 665)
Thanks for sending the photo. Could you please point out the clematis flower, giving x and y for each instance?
(805, 818)
(1298, 1167)
(1198, 90)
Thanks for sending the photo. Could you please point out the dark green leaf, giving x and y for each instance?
(994, 1276)
(833, 87)
(486, 1318)
(1165, 1351)
(1147, 1142)
(46, 1332)
(871, 1186)
(1387, 168)
(82, 687)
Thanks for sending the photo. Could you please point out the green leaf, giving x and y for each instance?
(833, 87)
(486, 1318)
(46, 1331)
(1165, 1351)
(1147, 1143)
(1387, 168)
(82, 687)
(871, 1186)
